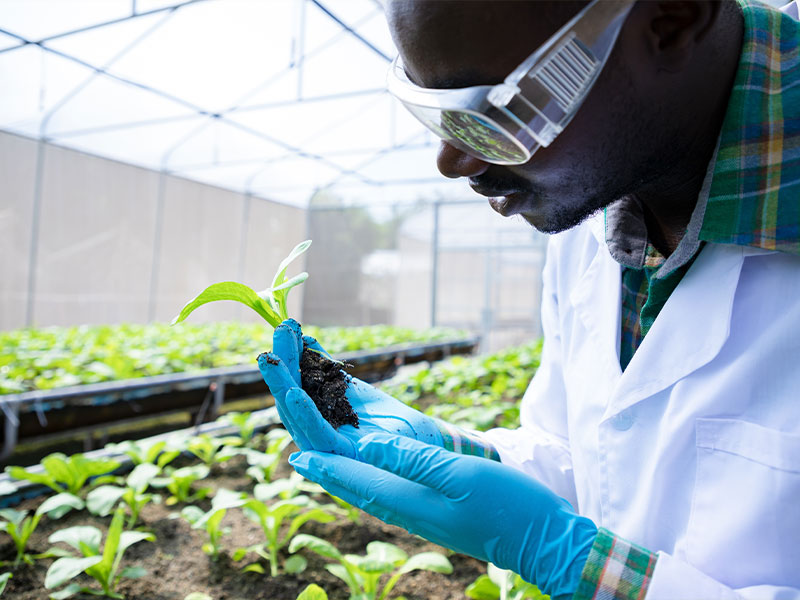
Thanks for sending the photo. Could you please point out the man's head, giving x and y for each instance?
(651, 118)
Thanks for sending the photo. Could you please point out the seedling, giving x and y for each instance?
(312, 592)
(6, 576)
(102, 500)
(269, 303)
(213, 450)
(296, 511)
(263, 464)
(500, 584)
(66, 472)
(362, 573)
(179, 483)
(244, 422)
(100, 563)
(211, 521)
(150, 452)
(18, 525)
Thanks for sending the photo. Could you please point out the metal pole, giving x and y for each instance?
(33, 257)
(158, 227)
(434, 261)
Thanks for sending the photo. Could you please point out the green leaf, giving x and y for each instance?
(101, 501)
(70, 590)
(239, 554)
(40, 478)
(315, 544)
(56, 466)
(313, 592)
(428, 561)
(198, 596)
(141, 476)
(253, 568)
(295, 564)
(386, 552)
(280, 274)
(129, 538)
(73, 536)
(13, 516)
(133, 572)
(230, 290)
(483, 588)
(64, 569)
(57, 506)
(4, 580)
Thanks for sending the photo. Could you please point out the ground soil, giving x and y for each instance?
(177, 566)
(325, 382)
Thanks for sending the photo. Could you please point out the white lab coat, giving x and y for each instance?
(693, 451)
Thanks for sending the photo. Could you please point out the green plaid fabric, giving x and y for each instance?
(754, 196)
(615, 570)
(465, 442)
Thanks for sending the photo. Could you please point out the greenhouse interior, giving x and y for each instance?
(179, 178)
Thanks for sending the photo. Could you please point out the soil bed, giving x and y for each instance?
(176, 565)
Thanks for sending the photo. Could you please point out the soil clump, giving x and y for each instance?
(325, 382)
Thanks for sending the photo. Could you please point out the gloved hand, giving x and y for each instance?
(478, 507)
(376, 410)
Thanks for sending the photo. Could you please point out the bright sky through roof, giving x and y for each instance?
(274, 97)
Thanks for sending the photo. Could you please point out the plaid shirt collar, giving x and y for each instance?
(751, 195)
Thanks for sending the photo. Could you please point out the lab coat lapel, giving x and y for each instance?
(689, 331)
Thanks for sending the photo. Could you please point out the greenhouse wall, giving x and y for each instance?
(112, 242)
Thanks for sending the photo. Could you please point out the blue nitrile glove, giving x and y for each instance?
(478, 507)
(376, 410)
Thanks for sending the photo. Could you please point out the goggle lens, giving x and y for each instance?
(474, 134)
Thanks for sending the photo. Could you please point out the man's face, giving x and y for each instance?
(597, 159)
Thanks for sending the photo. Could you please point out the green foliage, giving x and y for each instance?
(19, 526)
(62, 472)
(476, 392)
(211, 521)
(145, 451)
(212, 450)
(312, 592)
(179, 483)
(244, 422)
(263, 464)
(500, 584)
(296, 511)
(362, 573)
(102, 564)
(134, 496)
(40, 359)
(270, 303)
(4, 577)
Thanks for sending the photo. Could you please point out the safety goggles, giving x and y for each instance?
(506, 123)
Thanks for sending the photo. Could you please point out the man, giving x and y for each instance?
(659, 450)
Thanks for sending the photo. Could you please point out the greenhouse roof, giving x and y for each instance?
(277, 98)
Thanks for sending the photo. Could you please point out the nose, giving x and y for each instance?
(454, 163)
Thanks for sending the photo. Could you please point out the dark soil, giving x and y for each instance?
(177, 566)
(325, 382)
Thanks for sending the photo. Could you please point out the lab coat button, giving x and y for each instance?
(623, 421)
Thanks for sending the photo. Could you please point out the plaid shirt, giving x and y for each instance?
(751, 197)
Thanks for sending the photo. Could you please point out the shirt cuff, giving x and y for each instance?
(615, 570)
(462, 441)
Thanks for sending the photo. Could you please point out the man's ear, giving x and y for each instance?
(676, 27)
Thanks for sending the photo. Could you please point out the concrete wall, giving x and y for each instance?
(99, 228)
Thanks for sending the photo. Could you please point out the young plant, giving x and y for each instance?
(362, 573)
(62, 472)
(244, 422)
(213, 450)
(211, 521)
(263, 464)
(295, 511)
(19, 526)
(143, 451)
(179, 483)
(500, 584)
(102, 564)
(312, 592)
(6, 576)
(134, 496)
(269, 303)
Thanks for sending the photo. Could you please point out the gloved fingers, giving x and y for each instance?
(377, 492)
(312, 343)
(411, 459)
(305, 417)
(280, 381)
(285, 344)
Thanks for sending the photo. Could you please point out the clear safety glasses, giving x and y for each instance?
(506, 123)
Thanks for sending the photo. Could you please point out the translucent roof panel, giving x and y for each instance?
(278, 98)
